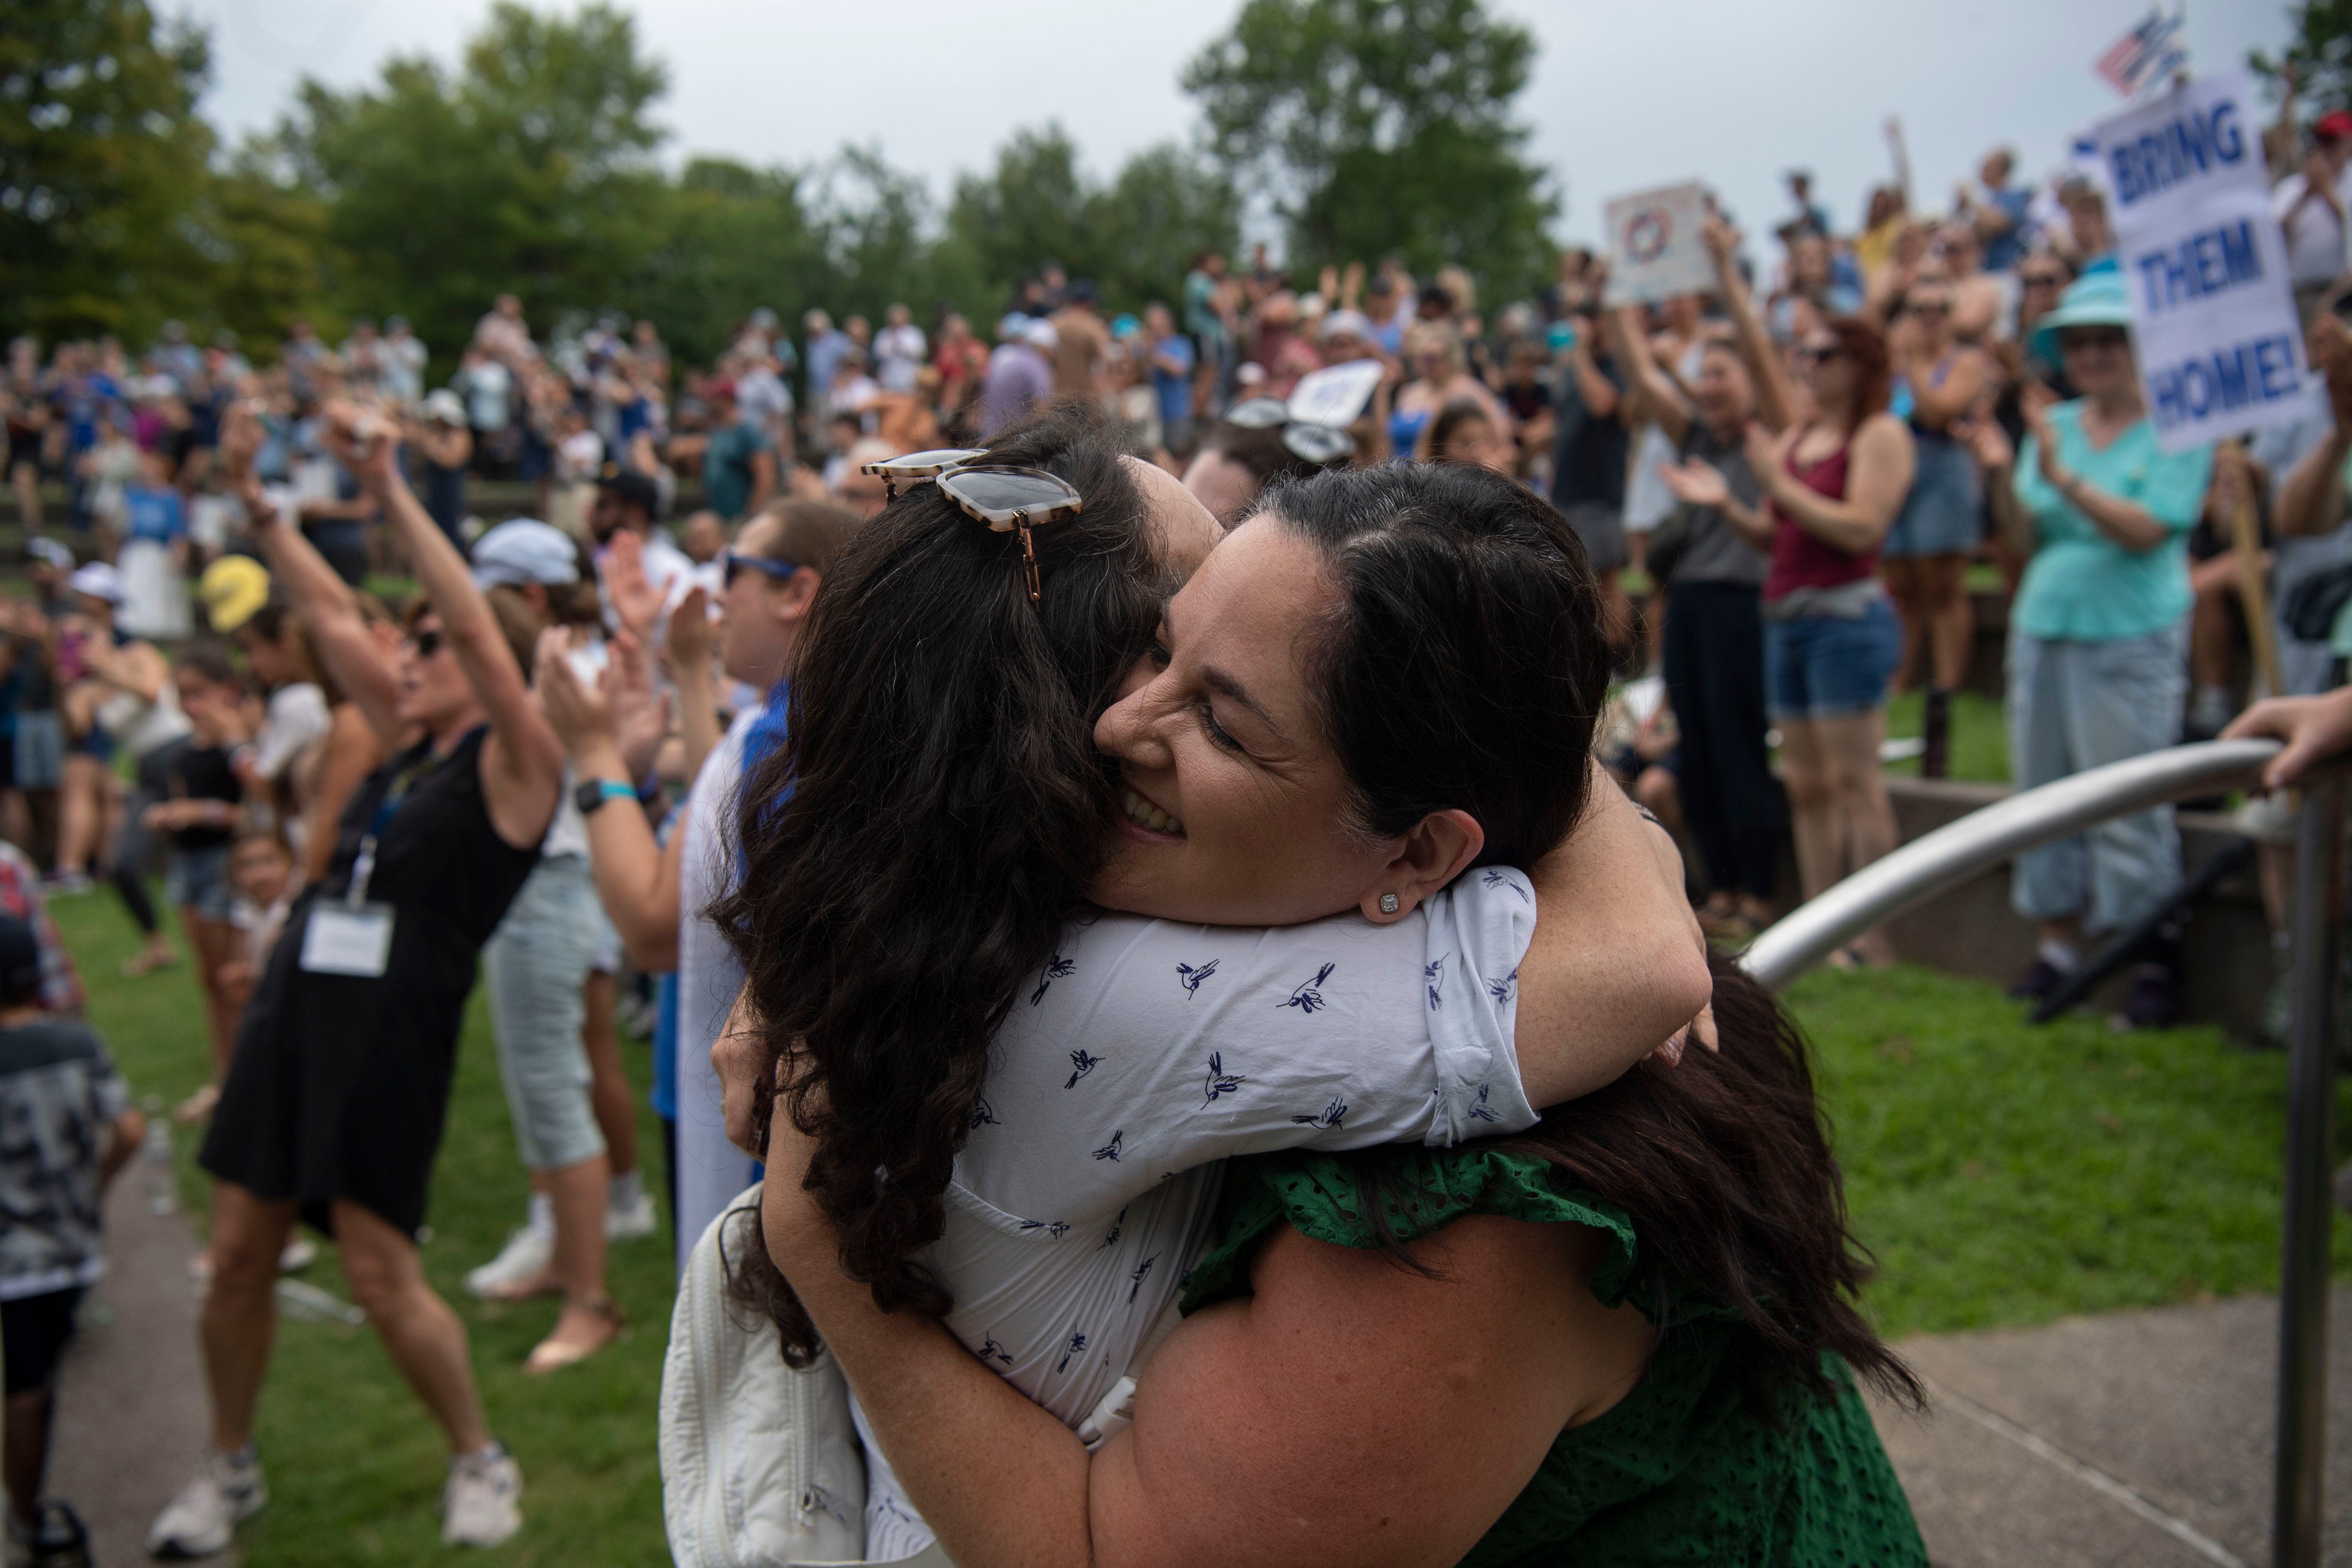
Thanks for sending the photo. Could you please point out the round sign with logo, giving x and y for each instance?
(1648, 234)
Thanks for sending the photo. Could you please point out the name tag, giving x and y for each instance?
(348, 938)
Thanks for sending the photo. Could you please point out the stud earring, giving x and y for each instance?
(1387, 903)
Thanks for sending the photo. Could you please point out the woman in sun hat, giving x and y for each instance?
(2098, 633)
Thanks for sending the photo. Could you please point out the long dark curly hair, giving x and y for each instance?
(932, 822)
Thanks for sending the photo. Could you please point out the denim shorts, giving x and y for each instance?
(197, 880)
(1944, 513)
(40, 750)
(1822, 667)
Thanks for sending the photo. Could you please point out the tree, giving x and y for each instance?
(1165, 207)
(529, 170)
(1384, 126)
(1031, 208)
(101, 154)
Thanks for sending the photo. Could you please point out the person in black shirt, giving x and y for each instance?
(196, 814)
(1588, 469)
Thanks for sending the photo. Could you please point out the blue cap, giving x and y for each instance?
(525, 551)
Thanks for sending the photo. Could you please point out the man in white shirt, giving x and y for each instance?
(763, 399)
(899, 350)
(2310, 208)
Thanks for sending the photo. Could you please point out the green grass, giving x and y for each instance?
(2005, 1174)
(1979, 735)
(2002, 1175)
(355, 1467)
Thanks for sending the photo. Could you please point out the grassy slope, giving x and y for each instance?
(2003, 1175)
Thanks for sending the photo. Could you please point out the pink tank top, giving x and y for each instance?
(1800, 560)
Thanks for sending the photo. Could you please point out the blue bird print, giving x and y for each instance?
(1110, 1150)
(1136, 1279)
(1083, 1063)
(1054, 1228)
(1190, 978)
(1221, 1082)
(1501, 989)
(1308, 997)
(1077, 1343)
(1496, 879)
(1115, 1225)
(1435, 973)
(1479, 1112)
(982, 1115)
(991, 1350)
(1056, 968)
(1331, 1116)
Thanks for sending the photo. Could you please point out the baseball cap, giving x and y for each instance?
(50, 553)
(522, 551)
(232, 588)
(1040, 334)
(632, 489)
(20, 959)
(444, 405)
(1344, 322)
(98, 581)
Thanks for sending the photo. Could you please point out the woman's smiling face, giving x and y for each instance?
(1236, 805)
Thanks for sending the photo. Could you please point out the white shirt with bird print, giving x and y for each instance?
(1144, 1053)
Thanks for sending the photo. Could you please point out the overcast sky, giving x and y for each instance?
(1624, 96)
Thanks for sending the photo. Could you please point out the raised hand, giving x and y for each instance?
(1695, 482)
(634, 599)
(1988, 443)
(690, 631)
(578, 717)
(640, 715)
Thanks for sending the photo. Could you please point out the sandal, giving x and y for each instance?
(197, 1106)
(148, 963)
(551, 1354)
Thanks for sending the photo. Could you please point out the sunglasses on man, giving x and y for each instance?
(733, 566)
(1315, 442)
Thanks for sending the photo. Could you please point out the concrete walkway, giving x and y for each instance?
(2125, 1440)
(130, 1414)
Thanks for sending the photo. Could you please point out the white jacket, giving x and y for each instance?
(761, 1466)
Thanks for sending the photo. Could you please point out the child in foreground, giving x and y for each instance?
(66, 1129)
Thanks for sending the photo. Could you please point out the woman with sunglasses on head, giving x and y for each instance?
(339, 1083)
(2098, 635)
(1386, 678)
(1928, 552)
(1834, 481)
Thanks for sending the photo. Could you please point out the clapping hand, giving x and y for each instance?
(689, 631)
(635, 598)
(579, 716)
(1988, 443)
(1696, 482)
(640, 715)
(364, 441)
(1766, 451)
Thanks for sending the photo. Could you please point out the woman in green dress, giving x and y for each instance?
(1628, 1335)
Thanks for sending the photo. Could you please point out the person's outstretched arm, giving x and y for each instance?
(330, 612)
(2313, 728)
(522, 761)
(1775, 400)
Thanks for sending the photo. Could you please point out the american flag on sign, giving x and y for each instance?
(2148, 54)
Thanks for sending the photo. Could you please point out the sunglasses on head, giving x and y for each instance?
(917, 467)
(1012, 500)
(1315, 442)
(734, 566)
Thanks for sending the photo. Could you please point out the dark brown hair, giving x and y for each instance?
(1865, 347)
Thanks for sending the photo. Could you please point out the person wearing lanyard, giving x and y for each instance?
(339, 1083)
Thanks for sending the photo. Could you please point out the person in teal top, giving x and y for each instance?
(2098, 635)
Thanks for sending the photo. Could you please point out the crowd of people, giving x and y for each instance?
(776, 690)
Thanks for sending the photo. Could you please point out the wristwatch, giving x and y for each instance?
(591, 795)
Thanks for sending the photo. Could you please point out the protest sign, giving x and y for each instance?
(2220, 350)
(1337, 394)
(1655, 251)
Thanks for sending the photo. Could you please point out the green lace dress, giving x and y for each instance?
(1684, 1469)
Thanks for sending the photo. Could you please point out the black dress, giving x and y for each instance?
(340, 1085)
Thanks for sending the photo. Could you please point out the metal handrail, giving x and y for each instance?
(1991, 837)
(1998, 833)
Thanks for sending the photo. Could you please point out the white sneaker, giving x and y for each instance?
(480, 1506)
(202, 1518)
(522, 1259)
(632, 1222)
